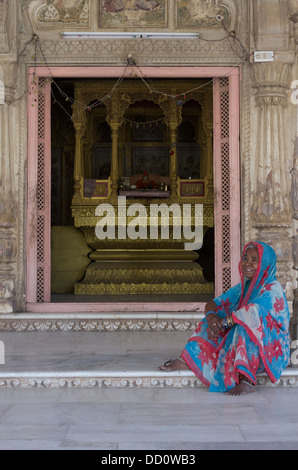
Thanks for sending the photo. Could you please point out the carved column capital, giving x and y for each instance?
(79, 127)
(272, 81)
(114, 125)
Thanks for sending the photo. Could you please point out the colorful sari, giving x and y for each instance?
(258, 342)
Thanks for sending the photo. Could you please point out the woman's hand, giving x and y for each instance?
(215, 325)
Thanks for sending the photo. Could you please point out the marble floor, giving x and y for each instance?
(147, 419)
(40, 416)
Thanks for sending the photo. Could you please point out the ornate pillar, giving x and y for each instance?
(8, 200)
(9, 152)
(272, 211)
(173, 158)
(114, 163)
(115, 119)
(80, 127)
(293, 14)
(173, 121)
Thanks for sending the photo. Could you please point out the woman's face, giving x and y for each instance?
(250, 262)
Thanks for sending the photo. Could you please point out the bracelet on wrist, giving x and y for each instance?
(209, 311)
(228, 322)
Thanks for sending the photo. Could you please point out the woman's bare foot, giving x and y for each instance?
(243, 388)
(174, 364)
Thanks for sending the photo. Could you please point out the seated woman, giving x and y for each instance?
(245, 331)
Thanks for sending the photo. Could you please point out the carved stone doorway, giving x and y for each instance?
(226, 179)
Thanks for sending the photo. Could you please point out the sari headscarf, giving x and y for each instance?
(258, 342)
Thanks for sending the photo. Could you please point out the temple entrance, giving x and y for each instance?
(153, 156)
(162, 161)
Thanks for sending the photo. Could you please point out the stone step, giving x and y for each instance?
(167, 320)
(110, 359)
(124, 379)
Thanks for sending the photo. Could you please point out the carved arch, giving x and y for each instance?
(127, 99)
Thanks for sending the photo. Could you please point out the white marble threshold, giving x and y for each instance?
(101, 321)
(101, 315)
(123, 379)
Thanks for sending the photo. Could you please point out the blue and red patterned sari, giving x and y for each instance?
(258, 342)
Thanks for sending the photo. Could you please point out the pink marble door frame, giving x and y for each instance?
(38, 228)
(45, 306)
(226, 181)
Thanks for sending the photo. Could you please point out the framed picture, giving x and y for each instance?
(64, 12)
(200, 14)
(133, 13)
(153, 159)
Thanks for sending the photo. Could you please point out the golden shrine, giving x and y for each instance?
(136, 149)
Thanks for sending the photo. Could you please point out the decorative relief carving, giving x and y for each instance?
(153, 52)
(119, 14)
(6, 293)
(201, 13)
(91, 324)
(8, 210)
(271, 194)
(192, 189)
(100, 382)
(63, 11)
(84, 380)
(101, 189)
(272, 82)
(8, 247)
(143, 289)
(272, 210)
(9, 76)
(133, 13)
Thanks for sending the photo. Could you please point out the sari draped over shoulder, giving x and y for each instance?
(259, 341)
